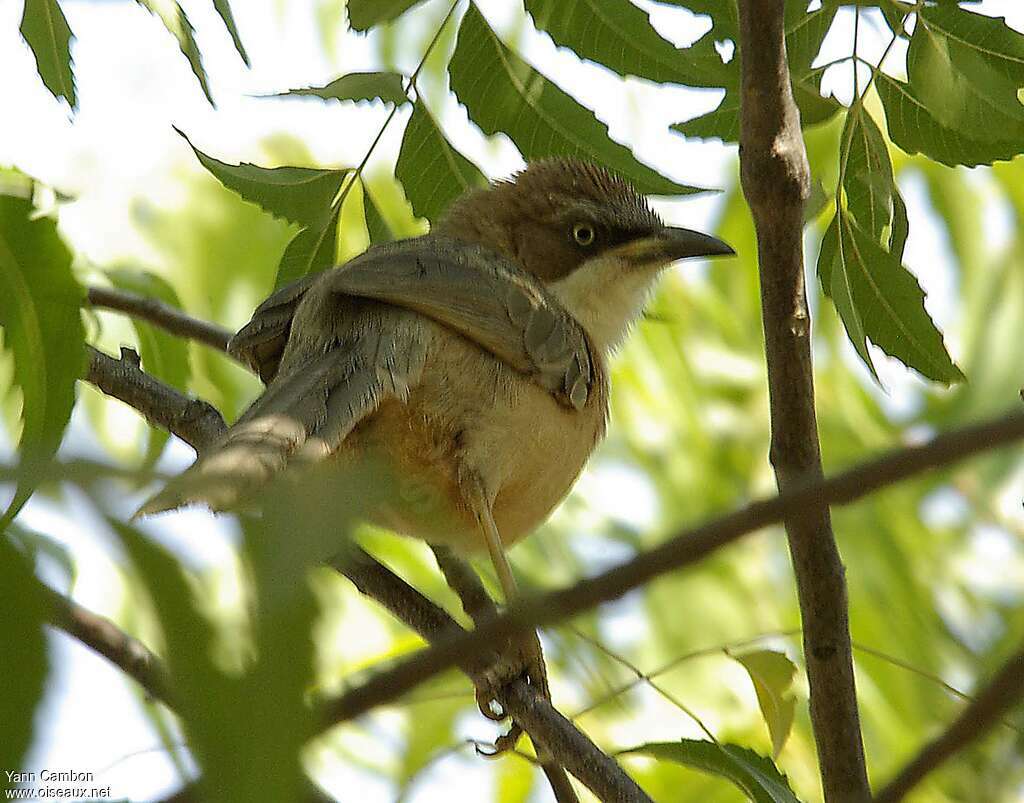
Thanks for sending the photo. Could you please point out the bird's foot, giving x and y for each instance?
(522, 659)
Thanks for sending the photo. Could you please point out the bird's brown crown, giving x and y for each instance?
(543, 217)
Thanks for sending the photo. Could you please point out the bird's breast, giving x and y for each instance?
(471, 415)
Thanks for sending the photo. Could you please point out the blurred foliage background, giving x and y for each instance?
(935, 567)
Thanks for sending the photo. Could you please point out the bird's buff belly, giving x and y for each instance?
(528, 455)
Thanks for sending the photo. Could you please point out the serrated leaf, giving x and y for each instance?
(384, 86)
(39, 312)
(989, 38)
(312, 250)
(756, 775)
(969, 84)
(47, 33)
(835, 283)
(224, 10)
(24, 659)
(163, 355)
(772, 674)
(804, 34)
(364, 14)
(867, 175)
(914, 129)
(302, 195)
(432, 172)
(377, 228)
(619, 35)
(503, 93)
(890, 303)
(177, 24)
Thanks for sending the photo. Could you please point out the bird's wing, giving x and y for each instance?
(486, 299)
(307, 410)
(469, 289)
(261, 342)
(329, 360)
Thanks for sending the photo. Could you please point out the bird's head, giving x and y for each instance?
(583, 231)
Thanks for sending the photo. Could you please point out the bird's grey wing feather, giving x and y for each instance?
(486, 299)
(304, 415)
(261, 342)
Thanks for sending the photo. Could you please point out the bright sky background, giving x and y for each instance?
(133, 85)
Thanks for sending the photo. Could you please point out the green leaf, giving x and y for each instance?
(39, 312)
(835, 282)
(804, 35)
(312, 250)
(914, 129)
(432, 172)
(961, 105)
(46, 31)
(177, 23)
(772, 674)
(756, 775)
(969, 84)
(302, 195)
(385, 86)
(619, 35)
(889, 301)
(867, 176)
(364, 14)
(224, 10)
(23, 661)
(35, 545)
(377, 228)
(504, 93)
(163, 355)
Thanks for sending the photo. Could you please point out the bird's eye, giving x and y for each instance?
(583, 233)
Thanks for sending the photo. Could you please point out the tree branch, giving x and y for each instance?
(195, 421)
(1001, 694)
(685, 549)
(479, 606)
(130, 655)
(160, 314)
(569, 747)
(776, 181)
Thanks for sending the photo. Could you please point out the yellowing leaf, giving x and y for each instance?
(772, 675)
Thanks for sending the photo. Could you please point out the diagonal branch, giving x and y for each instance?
(195, 421)
(776, 181)
(160, 314)
(998, 698)
(569, 746)
(685, 549)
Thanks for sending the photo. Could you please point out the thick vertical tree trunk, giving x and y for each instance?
(775, 178)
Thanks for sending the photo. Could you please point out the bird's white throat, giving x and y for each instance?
(606, 295)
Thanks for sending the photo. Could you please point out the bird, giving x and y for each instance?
(474, 359)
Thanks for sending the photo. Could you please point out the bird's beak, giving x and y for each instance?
(674, 243)
(670, 243)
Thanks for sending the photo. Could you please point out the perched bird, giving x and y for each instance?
(474, 359)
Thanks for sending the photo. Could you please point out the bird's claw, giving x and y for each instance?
(522, 659)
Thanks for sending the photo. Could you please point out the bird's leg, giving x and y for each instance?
(524, 655)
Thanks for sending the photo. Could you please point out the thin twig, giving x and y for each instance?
(196, 422)
(160, 314)
(685, 549)
(996, 699)
(476, 602)
(775, 177)
(642, 677)
(130, 655)
(719, 649)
